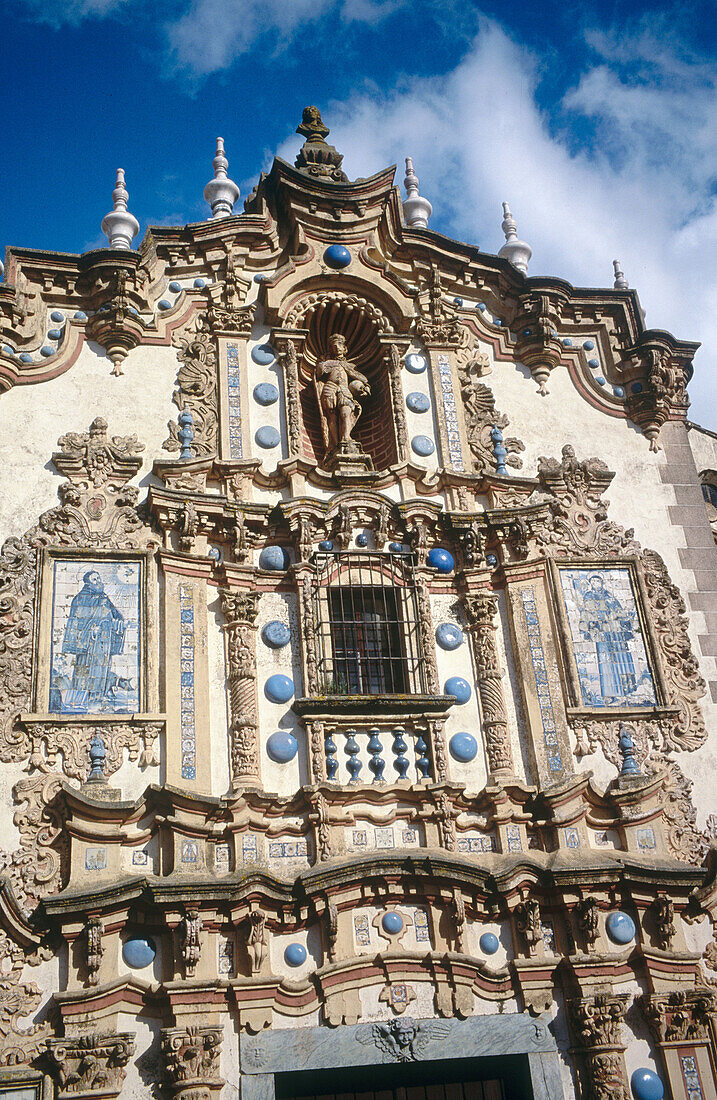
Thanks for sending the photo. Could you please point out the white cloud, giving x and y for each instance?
(57, 12)
(642, 192)
(213, 33)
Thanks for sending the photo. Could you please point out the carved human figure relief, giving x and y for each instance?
(340, 387)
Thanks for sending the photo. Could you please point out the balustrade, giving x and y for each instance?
(377, 755)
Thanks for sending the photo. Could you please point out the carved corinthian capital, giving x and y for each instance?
(481, 611)
(192, 1059)
(91, 1065)
(597, 1033)
(240, 611)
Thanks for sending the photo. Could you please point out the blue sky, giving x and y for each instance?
(597, 121)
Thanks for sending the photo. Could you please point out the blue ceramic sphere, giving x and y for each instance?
(392, 923)
(458, 302)
(449, 636)
(337, 256)
(164, 304)
(276, 634)
(497, 321)
(261, 277)
(266, 393)
(646, 1085)
(396, 547)
(482, 307)
(199, 283)
(567, 342)
(56, 316)
(139, 952)
(415, 363)
(327, 546)
(80, 315)
(25, 357)
(8, 350)
(459, 688)
(362, 539)
(588, 345)
(618, 391)
(422, 445)
(279, 688)
(489, 943)
(594, 363)
(636, 387)
(491, 559)
(620, 927)
(441, 560)
(267, 437)
(47, 351)
(295, 954)
(55, 334)
(263, 354)
(600, 380)
(418, 402)
(175, 287)
(463, 747)
(281, 747)
(274, 557)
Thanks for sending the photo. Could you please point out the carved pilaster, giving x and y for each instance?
(192, 1060)
(596, 1027)
(240, 610)
(399, 415)
(425, 626)
(309, 633)
(196, 390)
(91, 1065)
(95, 951)
(319, 817)
(286, 350)
(191, 943)
(481, 610)
(528, 923)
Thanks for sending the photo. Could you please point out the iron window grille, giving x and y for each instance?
(367, 618)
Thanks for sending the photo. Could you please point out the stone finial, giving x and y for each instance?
(630, 766)
(98, 754)
(119, 226)
(499, 450)
(416, 209)
(316, 157)
(518, 252)
(185, 435)
(221, 193)
(621, 282)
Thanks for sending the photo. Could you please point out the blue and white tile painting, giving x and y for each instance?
(607, 637)
(95, 653)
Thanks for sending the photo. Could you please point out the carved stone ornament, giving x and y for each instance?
(116, 325)
(240, 611)
(403, 1040)
(256, 939)
(481, 610)
(538, 346)
(589, 920)
(664, 910)
(286, 351)
(398, 996)
(319, 816)
(91, 1065)
(97, 510)
(682, 1016)
(340, 388)
(528, 923)
(192, 1060)
(191, 943)
(94, 949)
(196, 389)
(596, 1024)
(20, 1043)
(664, 391)
(481, 417)
(316, 157)
(436, 325)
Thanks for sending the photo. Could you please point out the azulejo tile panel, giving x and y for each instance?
(540, 671)
(691, 1077)
(455, 452)
(95, 650)
(186, 707)
(234, 401)
(607, 637)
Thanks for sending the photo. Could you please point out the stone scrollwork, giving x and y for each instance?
(528, 923)
(399, 415)
(91, 1065)
(596, 1023)
(196, 390)
(50, 742)
(240, 611)
(20, 1042)
(682, 1016)
(481, 418)
(192, 1060)
(286, 350)
(481, 611)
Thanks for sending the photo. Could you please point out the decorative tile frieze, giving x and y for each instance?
(540, 672)
(186, 708)
(234, 402)
(455, 453)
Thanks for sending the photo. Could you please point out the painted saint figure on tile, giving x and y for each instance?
(608, 644)
(95, 649)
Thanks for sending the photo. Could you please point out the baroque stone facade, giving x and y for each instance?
(349, 723)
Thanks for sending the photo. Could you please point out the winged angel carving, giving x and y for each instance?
(403, 1040)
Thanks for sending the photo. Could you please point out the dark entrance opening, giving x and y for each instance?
(503, 1078)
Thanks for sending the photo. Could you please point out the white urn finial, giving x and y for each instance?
(518, 252)
(119, 226)
(416, 209)
(621, 282)
(221, 193)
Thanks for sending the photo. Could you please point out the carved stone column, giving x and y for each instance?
(192, 1060)
(681, 1026)
(425, 626)
(91, 1065)
(288, 357)
(309, 632)
(399, 413)
(596, 1027)
(481, 610)
(240, 610)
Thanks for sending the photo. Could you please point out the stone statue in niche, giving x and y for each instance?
(340, 388)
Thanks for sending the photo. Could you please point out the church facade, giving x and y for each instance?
(358, 624)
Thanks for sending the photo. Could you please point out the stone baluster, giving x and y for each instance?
(240, 610)
(352, 750)
(596, 1027)
(423, 760)
(376, 764)
(330, 750)
(399, 748)
(481, 610)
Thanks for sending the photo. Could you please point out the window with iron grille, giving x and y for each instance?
(366, 612)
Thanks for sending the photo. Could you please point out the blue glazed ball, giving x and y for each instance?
(441, 560)
(567, 342)
(47, 351)
(139, 952)
(618, 391)
(600, 380)
(164, 304)
(8, 350)
(594, 363)
(489, 943)
(274, 557)
(199, 283)
(80, 315)
(482, 307)
(458, 302)
(620, 927)
(463, 747)
(327, 546)
(415, 363)
(279, 688)
(25, 357)
(295, 954)
(396, 547)
(276, 634)
(636, 387)
(459, 688)
(281, 747)
(418, 402)
(422, 445)
(56, 316)
(392, 923)
(588, 345)
(266, 393)
(337, 256)
(55, 334)
(646, 1085)
(175, 287)
(263, 354)
(267, 437)
(362, 539)
(449, 636)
